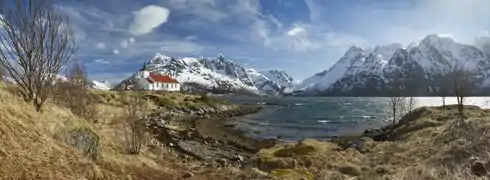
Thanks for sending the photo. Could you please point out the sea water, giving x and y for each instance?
(295, 118)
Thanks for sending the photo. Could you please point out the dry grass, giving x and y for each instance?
(29, 148)
(432, 144)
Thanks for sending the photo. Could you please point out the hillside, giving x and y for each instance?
(431, 143)
(425, 66)
(217, 75)
(55, 144)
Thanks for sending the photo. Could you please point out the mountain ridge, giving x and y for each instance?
(217, 75)
(367, 71)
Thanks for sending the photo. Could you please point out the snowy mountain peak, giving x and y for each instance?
(386, 51)
(104, 85)
(216, 75)
(421, 63)
(437, 41)
(160, 56)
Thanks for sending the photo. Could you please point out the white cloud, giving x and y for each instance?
(115, 51)
(100, 45)
(131, 40)
(296, 31)
(101, 61)
(147, 19)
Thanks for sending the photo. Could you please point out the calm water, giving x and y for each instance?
(323, 117)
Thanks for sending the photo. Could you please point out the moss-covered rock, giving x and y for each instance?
(82, 138)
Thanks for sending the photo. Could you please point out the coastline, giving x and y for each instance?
(207, 138)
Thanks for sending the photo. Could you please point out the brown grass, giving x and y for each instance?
(29, 151)
(432, 144)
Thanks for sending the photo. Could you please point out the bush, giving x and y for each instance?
(162, 101)
(75, 95)
(135, 110)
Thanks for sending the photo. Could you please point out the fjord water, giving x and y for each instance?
(295, 118)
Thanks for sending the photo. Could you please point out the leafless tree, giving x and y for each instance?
(133, 119)
(2, 73)
(408, 104)
(74, 93)
(396, 101)
(462, 85)
(37, 43)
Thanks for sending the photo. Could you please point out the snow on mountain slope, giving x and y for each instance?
(322, 81)
(422, 64)
(104, 85)
(216, 75)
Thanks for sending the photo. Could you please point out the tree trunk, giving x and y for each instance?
(394, 116)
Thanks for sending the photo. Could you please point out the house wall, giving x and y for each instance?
(166, 86)
(159, 86)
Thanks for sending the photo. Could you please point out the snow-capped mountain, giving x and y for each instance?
(104, 85)
(422, 65)
(216, 75)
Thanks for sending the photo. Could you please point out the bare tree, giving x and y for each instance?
(2, 73)
(38, 43)
(74, 93)
(133, 118)
(409, 104)
(462, 85)
(396, 101)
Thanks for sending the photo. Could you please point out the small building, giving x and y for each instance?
(156, 82)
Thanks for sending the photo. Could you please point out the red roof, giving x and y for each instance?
(160, 78)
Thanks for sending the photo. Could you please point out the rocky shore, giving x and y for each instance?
(205, 134)
(406, 150)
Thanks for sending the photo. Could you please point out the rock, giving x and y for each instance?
(350, 170)
(230, 125)
(222, 162)
(256, 173)
(239, 158)
(187, 175)
(269, 164)
(478, 168)
(84, 139)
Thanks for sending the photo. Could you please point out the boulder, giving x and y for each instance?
(82, 138)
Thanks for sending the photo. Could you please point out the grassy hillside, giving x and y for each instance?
(55, 144)
(432, 143)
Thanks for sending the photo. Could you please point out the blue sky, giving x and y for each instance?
(302, 37)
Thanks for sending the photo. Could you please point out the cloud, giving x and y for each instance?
(100, 45)
(101, 61)
(147, 19)
(115, 51)
(295, 31)
(131, 40)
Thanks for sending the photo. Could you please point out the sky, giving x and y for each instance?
(302, 37)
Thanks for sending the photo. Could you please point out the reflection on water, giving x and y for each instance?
(294, 118)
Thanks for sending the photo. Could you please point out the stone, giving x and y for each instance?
(84, 139)
(188, 175)
(478, 168)
(239, 158)
(222, 162)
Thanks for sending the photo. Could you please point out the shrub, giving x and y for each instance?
(135, 110)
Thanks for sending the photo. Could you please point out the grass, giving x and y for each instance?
(29, 147)
(432, 143)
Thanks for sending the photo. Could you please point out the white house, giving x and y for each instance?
(156, 82)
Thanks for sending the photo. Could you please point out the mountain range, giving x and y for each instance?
(217, 75)
(425, 65)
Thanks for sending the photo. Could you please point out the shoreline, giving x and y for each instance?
(208, 139)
